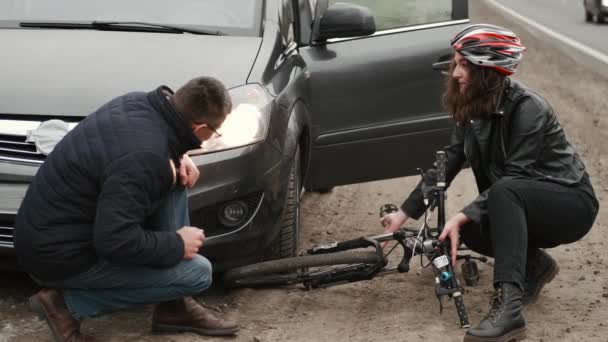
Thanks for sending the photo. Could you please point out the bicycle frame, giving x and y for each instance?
(446, 282)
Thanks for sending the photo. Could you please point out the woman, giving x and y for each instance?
(534, 190)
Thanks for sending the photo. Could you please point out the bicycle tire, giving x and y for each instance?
(277, 272)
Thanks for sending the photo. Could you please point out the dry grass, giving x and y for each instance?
(399, 13)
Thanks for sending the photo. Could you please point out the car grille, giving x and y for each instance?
(15, 148)
(207, 217)
(7, 222)
(13, 134)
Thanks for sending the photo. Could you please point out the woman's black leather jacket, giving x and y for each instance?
(521, 139)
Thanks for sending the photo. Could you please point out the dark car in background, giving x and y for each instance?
(324, 93)
(597, 9)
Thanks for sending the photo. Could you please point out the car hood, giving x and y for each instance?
(73, 72)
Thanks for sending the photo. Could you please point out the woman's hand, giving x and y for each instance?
(393, 221)
(188, 172)
(451, 231)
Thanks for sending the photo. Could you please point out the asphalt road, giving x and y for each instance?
(566, 17)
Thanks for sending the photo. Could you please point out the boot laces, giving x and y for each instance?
(209, 307)
(495, 305)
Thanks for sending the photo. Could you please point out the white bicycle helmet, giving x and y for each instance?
(489, 46)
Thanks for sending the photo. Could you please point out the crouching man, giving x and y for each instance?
(104, 225)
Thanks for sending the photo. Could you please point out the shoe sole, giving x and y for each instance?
(40, 311)
(544, 281)
(515, 335)
(172, 329)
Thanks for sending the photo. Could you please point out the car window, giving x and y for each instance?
(286, 22)
(390, 14)
(240, 16)
(304, 20)
(313, 5)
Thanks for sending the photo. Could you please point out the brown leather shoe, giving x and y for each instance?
(48, 304)
(187, 315)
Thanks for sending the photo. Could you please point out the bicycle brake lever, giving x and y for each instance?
(421, 172)
(468, 257)
(379, 250)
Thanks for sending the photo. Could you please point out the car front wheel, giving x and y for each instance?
(287, 243)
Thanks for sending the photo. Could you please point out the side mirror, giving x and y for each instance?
(345, 20)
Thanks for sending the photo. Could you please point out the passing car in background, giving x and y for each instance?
(597, 9)
(324, 94)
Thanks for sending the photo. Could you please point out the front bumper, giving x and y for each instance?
(256, 174)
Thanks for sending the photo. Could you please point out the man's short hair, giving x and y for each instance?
(202, 100)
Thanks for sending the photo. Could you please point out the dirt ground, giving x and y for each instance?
(574, 307)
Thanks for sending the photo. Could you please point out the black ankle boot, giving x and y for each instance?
(505, 321)
(541, 268)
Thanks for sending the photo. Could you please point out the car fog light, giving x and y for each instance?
(233, 213)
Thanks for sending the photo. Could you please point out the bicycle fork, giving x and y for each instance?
(455, 293)
(446, 283)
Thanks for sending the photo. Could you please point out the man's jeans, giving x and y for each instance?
(107, 288)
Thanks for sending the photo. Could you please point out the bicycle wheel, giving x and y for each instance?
(285, 271)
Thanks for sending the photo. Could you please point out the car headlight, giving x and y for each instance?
(246, 124)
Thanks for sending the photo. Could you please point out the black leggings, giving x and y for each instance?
(524, 215)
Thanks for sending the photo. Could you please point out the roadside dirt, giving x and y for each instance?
(574, 307)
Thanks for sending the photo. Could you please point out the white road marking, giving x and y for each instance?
(562, 38)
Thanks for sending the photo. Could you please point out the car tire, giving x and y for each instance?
(599, 18)
(588, 16)
(287, 243)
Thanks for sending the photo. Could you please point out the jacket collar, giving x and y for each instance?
(500, 104)
(512, 93)
(183, 139)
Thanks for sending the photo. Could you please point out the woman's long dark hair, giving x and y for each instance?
(480, 96)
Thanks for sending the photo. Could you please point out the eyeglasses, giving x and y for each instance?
(206, 125)
(218, 134)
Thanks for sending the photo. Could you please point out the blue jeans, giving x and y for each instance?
(106, 288)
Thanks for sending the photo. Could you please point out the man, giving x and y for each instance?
(104, 225)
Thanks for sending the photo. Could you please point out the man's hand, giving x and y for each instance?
(193, 240)
(172, 165)
(451, 231)
(188, 172)
(393, 221)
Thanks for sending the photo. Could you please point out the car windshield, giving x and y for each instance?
(233, 17)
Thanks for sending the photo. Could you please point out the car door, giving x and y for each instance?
(375, 101)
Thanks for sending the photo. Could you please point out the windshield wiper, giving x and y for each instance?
(140, 24)
(137, 26)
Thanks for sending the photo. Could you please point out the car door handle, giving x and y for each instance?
(442, 66)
